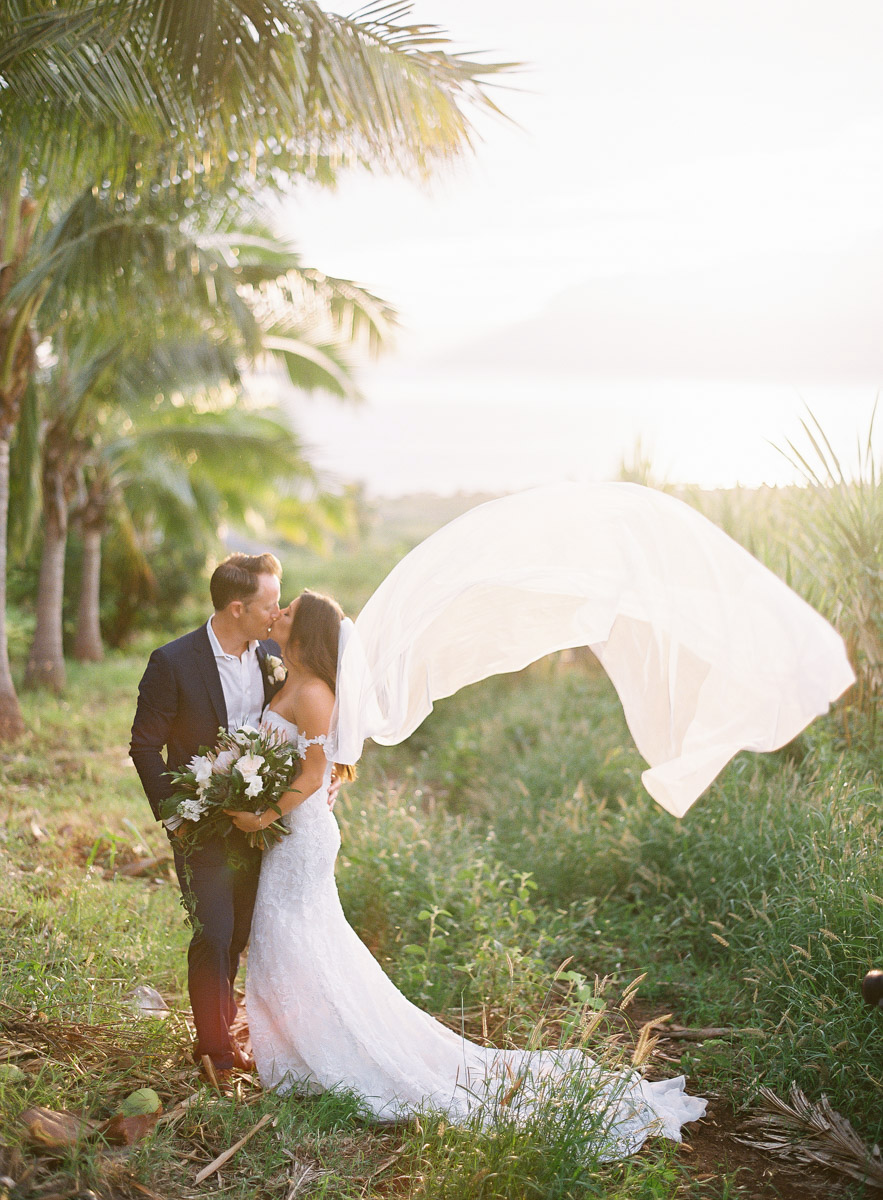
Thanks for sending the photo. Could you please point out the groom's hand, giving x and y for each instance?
(333, 789)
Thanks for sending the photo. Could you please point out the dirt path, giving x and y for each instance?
(711, 1146)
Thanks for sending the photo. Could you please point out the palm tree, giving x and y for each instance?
(162, 92)
(176, 476)
(63, 452)
(91, 518)
(231, 295)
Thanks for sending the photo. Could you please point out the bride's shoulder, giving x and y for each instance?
(313, 703)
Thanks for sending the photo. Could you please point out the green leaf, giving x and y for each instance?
(140, 1103)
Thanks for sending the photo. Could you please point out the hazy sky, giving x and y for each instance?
(698, 146)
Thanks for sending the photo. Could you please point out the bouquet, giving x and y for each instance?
(248, 771)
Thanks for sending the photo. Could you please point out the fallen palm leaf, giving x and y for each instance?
(813, 1133)
(55, 1130)
(121, 1130)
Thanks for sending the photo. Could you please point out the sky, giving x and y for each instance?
(681, 224)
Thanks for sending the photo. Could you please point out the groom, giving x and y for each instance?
(216, 676)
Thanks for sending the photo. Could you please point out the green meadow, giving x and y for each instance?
(510, 873)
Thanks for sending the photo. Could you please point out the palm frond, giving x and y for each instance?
(314, 367)
(813, 1133)
(280, 84)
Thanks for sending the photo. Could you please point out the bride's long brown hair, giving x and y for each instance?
(313, 639)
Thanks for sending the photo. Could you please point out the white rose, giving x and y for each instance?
(275, 668)
(244, 734)
(201, 766)
(249, 765)
(255, 786)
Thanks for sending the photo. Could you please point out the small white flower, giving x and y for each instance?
(255, 786)
(201, 766)
(249, 765)
(190, 810)
(275, 668)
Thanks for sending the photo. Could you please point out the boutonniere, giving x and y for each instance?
(274, 669)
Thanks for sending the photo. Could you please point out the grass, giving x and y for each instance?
(761, 910)
(512, 876)
(509, 836)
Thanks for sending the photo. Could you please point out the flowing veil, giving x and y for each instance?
(709, 652)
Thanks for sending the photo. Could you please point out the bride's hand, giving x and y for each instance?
(248, 822)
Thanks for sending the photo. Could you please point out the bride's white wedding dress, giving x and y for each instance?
(322, 1014)
(710, 654)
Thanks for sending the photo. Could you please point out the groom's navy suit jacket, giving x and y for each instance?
(181, 708)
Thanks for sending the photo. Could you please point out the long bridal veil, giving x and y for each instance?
(709, 652)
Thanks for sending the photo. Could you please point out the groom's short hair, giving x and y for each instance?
(238, 577)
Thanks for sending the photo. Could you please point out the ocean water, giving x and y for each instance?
(427, 430)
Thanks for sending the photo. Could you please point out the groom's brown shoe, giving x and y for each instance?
(223, 1079)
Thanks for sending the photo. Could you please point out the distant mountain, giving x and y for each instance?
(790, 317)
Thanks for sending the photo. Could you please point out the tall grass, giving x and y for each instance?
(760, 911)
(842, 547)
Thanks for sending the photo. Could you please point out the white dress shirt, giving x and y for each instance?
(242, 682)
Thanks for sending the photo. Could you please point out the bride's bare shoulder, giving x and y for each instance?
(313, 703)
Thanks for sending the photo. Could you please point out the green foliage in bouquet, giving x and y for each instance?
(248, 771)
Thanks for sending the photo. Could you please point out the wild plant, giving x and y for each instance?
(841, 547)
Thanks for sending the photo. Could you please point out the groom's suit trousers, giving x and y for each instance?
(219, 881)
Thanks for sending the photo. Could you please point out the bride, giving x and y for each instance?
(709, 653)
(321, 1010)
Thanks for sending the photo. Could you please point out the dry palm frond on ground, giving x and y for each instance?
(813, 1133)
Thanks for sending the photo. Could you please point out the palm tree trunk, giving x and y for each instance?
(46, 658)
(88, 646)
(18, 214)
(11, 723)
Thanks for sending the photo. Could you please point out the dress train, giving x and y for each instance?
(322, 1013)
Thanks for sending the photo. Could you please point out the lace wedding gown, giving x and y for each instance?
(322, 1014)
(710, 654)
